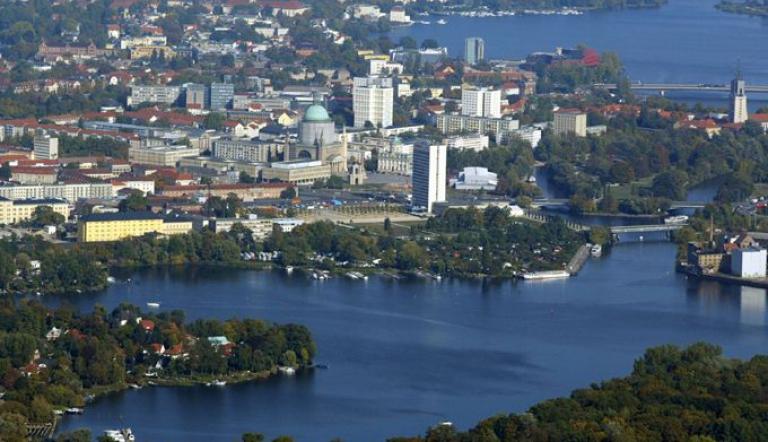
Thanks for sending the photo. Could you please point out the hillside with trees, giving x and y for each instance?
(673, 394)
(51, 360)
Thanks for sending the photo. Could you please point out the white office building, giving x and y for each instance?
(154, 94)
(530, 134)
(372, 101)
(46, 147)
(476, 142)
(476, 178)
(384, 67)
(481, 102)
(429, 175)
(749, 262)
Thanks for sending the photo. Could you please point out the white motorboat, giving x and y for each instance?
(596, 250)
(121, 435)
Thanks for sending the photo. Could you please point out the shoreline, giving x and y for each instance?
(722, 277)
(93, 394)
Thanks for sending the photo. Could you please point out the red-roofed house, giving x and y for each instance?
(289, 8)
(147, 325)
(761, 119)
(709, 126)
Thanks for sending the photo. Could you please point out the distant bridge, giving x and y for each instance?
(562, 202)
(646, 228)
(754, 88)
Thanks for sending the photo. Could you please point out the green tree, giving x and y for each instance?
(45, 216)
(214, 121)
(134, 202)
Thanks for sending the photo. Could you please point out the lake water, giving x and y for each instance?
(405, 355)
(408, 354)
(683, 41)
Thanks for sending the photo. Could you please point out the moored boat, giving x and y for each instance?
(551, 274)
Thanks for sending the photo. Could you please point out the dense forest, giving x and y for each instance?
(672, 394)
(53, 359)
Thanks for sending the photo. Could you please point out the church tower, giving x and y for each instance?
(738, 110)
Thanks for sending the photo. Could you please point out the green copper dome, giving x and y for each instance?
(316, 112)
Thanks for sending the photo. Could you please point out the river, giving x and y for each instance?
(408, 354)
(683, 41)
(404, 355)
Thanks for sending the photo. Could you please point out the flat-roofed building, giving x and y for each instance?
(69, 192)
(164, 155)
(261, 228)
(16, 211)
(245, 150)
(498, 127)
(117, 226)
(299, 172)
(154, 94)
(476, 142)
(46, 147)
(34, 175)
(570, 121)
(246, 192)
(476, 178)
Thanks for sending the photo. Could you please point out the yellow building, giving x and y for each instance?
(12, 212)
(117, 226)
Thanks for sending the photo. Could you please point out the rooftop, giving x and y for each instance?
(120, 216)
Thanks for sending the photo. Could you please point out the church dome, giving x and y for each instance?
(316, 112)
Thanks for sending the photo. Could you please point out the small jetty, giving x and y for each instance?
(545, 275)
(356, 275)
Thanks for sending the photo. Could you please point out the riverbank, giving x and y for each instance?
(722, 277)
(745, 8)
(388, 335)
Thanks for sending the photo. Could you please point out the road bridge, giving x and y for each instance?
(684, 87)
(562, 202)
(646, 228)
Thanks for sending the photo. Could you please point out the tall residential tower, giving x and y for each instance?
(372, 99)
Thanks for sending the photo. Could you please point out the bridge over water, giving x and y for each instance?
(562, 202)
(685, 87)
(648, 228)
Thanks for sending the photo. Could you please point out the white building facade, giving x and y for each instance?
(481, 102)
(372, 99)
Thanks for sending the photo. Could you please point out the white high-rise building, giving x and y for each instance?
(738, 111)
(481, 102)
(429, 174)
(372, 101)
(46, 147)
